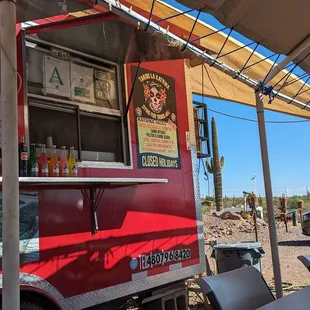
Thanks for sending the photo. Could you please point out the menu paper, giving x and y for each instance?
(56, 78)
(82, 83)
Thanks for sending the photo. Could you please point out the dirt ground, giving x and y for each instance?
(291, 244)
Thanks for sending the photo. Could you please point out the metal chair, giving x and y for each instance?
(240, 289)
(305, 259)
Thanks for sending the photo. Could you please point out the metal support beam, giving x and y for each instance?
(290, 57)
(268, 192)
(10, 187)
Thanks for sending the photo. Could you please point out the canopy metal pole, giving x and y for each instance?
(268, 192)
(10, 188)
(290, 57)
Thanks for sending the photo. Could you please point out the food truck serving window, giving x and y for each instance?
(74, 101)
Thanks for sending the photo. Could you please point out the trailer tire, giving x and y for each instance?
(30, 305)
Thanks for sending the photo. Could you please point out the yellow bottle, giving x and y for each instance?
(72, 164)
(53, 164)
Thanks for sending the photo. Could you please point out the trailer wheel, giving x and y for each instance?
(30, 305)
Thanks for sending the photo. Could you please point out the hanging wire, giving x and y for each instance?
(255, 121)
(12, 67)
(222, 47)
(304, 91)
(253, 51)
(267, 90)
(192, 30)
(208, 35)
(300, 91)
(298, 78)
(131, 92)
(237, 49)
(150, 16)
(274, 63)
(173, 16)
(263, 59)
(287, 76)
(306, 105)
(289, 65)
(205, 170)
(290, 72)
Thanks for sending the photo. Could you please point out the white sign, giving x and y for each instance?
(104, 86)
(82, 83)
(56, 76)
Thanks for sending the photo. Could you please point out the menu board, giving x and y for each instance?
(155, 120)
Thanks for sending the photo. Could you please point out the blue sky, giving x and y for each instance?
(289, 148)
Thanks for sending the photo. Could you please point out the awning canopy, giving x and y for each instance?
(279, 25)
(206, 80)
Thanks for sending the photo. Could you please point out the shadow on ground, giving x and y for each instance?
(296, 243)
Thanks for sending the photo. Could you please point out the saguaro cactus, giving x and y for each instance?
(215, 167)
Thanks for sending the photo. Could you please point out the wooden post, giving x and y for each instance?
(294, 218)
(253, 202)
(285, 221)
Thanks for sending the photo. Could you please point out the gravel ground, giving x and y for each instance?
(291, 244)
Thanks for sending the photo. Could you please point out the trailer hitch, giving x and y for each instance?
(93, 198)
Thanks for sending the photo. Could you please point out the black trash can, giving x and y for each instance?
(230, 256)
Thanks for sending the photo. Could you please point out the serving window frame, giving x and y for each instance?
(81, 58)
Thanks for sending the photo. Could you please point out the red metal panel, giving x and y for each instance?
(147, 218)
(66, 243)
(132, 221)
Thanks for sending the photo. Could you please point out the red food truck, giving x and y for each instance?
(130, 223)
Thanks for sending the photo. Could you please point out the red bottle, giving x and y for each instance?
(43, 163)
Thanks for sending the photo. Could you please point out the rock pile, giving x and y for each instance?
(227, 223)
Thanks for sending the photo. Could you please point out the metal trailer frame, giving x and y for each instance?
(11, 298)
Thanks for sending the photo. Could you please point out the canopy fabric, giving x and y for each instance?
(279, 25)
(206, 80)
(215, 83)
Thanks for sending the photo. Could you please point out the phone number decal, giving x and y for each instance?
(152, 260)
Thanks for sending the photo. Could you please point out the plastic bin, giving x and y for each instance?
(230, 256)
(305, 224)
